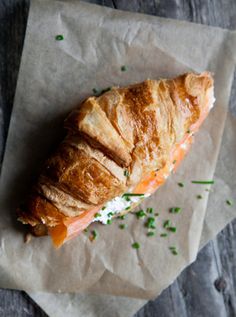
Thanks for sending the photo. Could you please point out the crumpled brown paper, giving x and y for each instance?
(54, 77)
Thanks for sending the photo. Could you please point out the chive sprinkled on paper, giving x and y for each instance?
(229, 202)
(172, 229)
(166, 224)
(131, 194)
(163, 235)
(126, 173)
(105, 90)
(127, 208)
(174, 161)
(136, 245)
(181, 184)
(150, 223)
(95, 91)
(86, 230)
(59, 37)
(109, 222)
(110, 214)
(150, 210)
(94, 235)
(199, 196)
(123, 68)
(173, 250)
(121, 217)
(103, 208)
(175, 210)
(203, 182)
(150, 233)
(97, 215)
(140, 214)
(122, 226)
(127, 198)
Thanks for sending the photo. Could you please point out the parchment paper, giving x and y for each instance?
(54, 77)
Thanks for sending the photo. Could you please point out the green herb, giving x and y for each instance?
(127, 208)
(199, 196)
(203, 182)
(229, 202)
(109, 221)
(86, 230)
(173, 250)
(110, 214)
(136, 245)
(172, 229)
(122, 226)
(163, 235)
(97, 215)
(95, 91)
(126, 173)
(127, 198)
(181, 184)
(150, 223)
(59, 37)
(174, 161)
(156, 214)
(175, 210)
(166, 224)
(150, 210)
(150, 234)
(94, 235)
(131, 194)
(123, 68)
(103, 208)
(105, 90)
(121, 217)
(140, 214)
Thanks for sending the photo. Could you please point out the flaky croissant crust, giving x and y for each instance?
(129, 129)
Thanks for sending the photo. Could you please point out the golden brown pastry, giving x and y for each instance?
(125, 141)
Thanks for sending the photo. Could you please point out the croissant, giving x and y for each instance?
(120, 147)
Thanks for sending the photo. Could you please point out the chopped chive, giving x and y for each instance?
(181, 184)
(95, 91)
(174, 161)
(121, 217)
(199, 196)
(97, 215)
(103, 208)
(150, 223)
(172, 229)
(175, 210)
(109, 222)
(127, 208)
(94, 235)
(59, 37)
(174, 252)
(131, 194)
(140, 214)
(123, 68)
(110, 214)
(127, 198)
(126, 173)
(86, 230)
(122, 226)
(203, 182)
(172, 248)
(105, 90)
(150, 233)
(163, 235)
(229, 202)
(150, 210)
(136, 245)
(166, 224)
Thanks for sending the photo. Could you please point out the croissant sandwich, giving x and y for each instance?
(120, 147)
